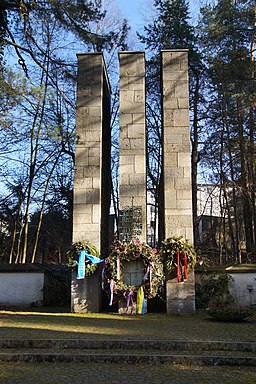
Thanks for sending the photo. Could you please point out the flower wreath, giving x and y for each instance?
(73, 256)
(129, 251)
(178, 257)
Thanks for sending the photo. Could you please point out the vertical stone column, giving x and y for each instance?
(177, 168)
(176, 148)
(132, 146)
(92, 170)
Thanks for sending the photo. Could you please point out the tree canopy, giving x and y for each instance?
(39, 40)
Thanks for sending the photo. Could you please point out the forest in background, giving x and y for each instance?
(39, 41)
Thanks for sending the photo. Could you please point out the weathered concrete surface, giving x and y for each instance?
(92, 158)
(176, 164)
(180, 297)
(92, 172)
(176, 145)
(133, 140)
(86, 294)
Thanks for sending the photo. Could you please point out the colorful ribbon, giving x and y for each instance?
(93, 259)
(118, 268)
(147, 273)
(111, 286)
(140, 301)
(180, 263)
(81, 266)
(129, 300)
(150, 279)
(185, 262)
(81, 262)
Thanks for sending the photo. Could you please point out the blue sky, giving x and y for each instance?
(133, 10)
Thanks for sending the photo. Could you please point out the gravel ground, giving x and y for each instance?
(66, 373)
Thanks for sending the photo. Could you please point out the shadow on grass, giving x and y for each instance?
(113, 326)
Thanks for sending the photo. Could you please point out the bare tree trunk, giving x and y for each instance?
(247, 211)
(13, 241)
(233, 224)
(39, 225)
(252, 156)
(194, 161)
(34, 148)
(161, 222)
(19, 248)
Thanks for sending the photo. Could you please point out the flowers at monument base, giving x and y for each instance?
(84, 258)
(179, 257)
(123, 252)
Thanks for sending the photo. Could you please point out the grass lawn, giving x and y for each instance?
(56, 325)
(19, 324)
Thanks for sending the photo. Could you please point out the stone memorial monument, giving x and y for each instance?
(92, 172)
(92, 165)
(132, 221)
(177, 171)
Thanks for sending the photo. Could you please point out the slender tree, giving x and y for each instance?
(227, 32)
(38, 134)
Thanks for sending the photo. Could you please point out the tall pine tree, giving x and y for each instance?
(170, 29)
(227, 34)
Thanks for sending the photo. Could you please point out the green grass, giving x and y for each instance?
(104, 325)
(38, 325)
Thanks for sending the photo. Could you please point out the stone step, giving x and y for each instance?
(132, 351)
(129, 358)
(106, 345)
(129, 351)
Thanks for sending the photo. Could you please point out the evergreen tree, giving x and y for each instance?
(227, 33)
(170, 29)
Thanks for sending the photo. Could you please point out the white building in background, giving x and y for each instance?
(209, 200)
(210, 203)
(210, 211)
(152, 220)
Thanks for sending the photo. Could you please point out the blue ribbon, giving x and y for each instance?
(81, 266)
(81, 262)
(93, 259)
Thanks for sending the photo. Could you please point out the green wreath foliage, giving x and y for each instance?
(129, 251)
(169, 251)
(73, 255)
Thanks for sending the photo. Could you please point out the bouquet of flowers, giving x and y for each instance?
(178, 257)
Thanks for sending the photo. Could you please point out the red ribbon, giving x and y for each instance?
(178, 267)
(185, 260)
(180, 275)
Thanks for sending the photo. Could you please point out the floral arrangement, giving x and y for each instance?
(129, 251)
(73, 255)
(178, 256)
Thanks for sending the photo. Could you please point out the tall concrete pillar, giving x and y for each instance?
(92, 155)
(176, 145)
(132, 147)
(92, 170)
(177, 169)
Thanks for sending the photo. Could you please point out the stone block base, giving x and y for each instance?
(180, 297)
(86, 294)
